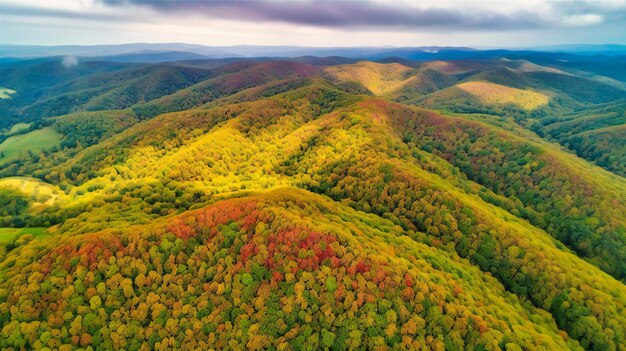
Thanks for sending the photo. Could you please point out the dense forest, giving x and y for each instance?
(312, 204)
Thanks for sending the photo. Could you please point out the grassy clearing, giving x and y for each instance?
(41, 193)
(18, 128)
(8, 235)
(491, 93)
(35, 141)
(379, 79)
(5, 93)
(527, 66)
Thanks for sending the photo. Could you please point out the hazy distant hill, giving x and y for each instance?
(586, 49)
(371, 53)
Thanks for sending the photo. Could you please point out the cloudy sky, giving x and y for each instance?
(505, 23)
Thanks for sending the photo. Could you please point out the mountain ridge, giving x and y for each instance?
(245, 188)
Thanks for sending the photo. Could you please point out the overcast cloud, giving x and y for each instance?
(313, 22)
(346, 14)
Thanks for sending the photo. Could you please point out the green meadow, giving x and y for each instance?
(35, 141)
(10, 234)
(18, 127)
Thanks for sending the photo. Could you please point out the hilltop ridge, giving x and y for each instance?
(314, 203)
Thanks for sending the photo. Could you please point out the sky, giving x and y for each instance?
(480, 24)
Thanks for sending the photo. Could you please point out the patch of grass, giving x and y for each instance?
(8, 235)
(378, 78)
(5, 93)
(491, 93)
(35, 141)
(18, 127)
(41, 193)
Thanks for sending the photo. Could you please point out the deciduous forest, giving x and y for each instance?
(309, 203)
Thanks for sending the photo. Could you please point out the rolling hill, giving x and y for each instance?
(315, 203)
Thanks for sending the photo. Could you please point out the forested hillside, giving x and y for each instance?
(313, 203)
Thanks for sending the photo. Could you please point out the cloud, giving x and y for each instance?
(482, 15)
(583, 20)
(69, 61)
(315, 22)
(9, 9)
(346, 14)
(584, 7)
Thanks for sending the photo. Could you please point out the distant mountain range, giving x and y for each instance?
(163, 52)
(585, 49)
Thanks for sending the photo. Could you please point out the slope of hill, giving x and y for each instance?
(279, 204)
(595, 133)
(117, 90)
(17, 146)
(280, 268)
(378, 79)
(490, 95)
(606, 146)
(392, 80)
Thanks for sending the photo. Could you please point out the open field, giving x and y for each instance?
(380, 79)
(41, 193)
(18, 127)
(5, 93)
(491, 93)
(34, 141)
(10, 234)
